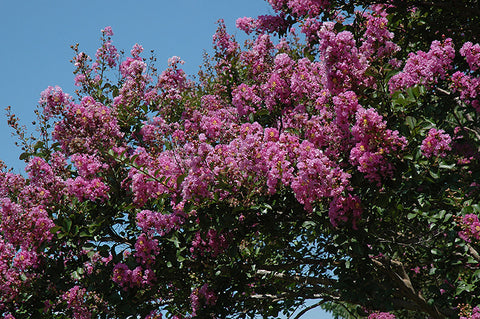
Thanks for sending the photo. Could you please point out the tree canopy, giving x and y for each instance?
(333, 157)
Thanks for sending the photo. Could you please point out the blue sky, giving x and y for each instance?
(36, 38)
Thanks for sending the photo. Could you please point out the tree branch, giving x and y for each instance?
(396, 271)
(473, 252)
(296, 278)
(315, 305)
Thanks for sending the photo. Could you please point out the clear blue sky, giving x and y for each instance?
(36, 36)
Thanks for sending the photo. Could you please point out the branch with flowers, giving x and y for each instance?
(334, 156)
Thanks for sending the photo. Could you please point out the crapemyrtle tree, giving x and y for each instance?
(333, 157)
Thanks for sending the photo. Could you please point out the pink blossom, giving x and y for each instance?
(381, 315)
(471, 53)
(301, 7)
(276, 91)
(26, 228)
(127, 278)
(374, 142)
(88, 165)
(437, 143)
(258, 57)
(475, 314)
(310, 28)
(107, 31)
(344, 64)
(317, 177)
(202, 296)
(160, 223)
(377, 40)
(211, 243)
(271, 24)
(121, 274)
(86, 127)
(53, 100)
(132, 67)
(246, 24)
(80, 79)
(136, 50)
(343, 209)
(245, 99)
(91, 189)
(470, 225)
(146, 249)
(107, 53)
(468, 86)
(425, 68)
(75, 299)
(224, 42)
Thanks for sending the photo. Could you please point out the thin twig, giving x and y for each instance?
(315, 305)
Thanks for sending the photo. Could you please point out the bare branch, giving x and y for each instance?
(315, 305)
(473, 252)
(296, 278)
(396, 271)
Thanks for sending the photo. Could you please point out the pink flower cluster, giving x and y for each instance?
(146, 249)
(164, 169)
(343, 209)
(24, 227)
(344, 64)
(374, 143)
(223, 42)
(425, 68)
(381, 315)
(132, 67)
(107, 53)
(263, 24)
(213, 243)
(53, 101)
(87, 127)
(470, 227)
(159, 223)
(301, 7)
(75, 298)
(469, 88)
(107, 31)
(377, 40)
(318, 177)
(437, 143)
(172, 82)
(83, 188)
(475, 314)
(245, 99)
(471, 52)
(128, 278)
(46, 185)
(258, 59)
(134, 88)
(467, 84)
(310, 28)
(202, 296)
(88, 165)
(10, 281)
(289, 83)
(305, 79)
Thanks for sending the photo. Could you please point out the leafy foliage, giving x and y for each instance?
(338, 164)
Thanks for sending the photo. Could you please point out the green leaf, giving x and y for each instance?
(180, 179)
(411, 122)
(24, 156)
(411, 215)
(433, 174)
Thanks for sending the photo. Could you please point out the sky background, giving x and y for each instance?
(36, 38)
